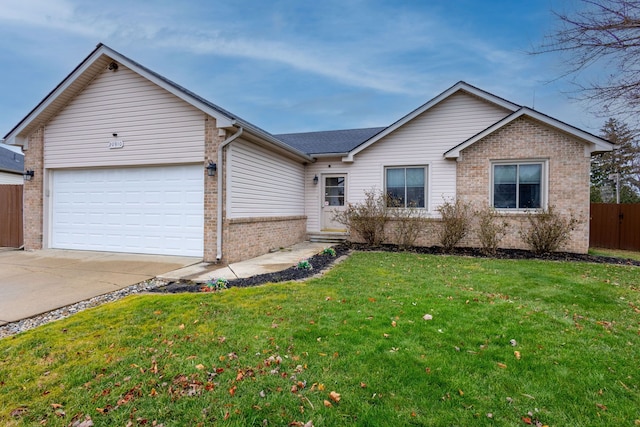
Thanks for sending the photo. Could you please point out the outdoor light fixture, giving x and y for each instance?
(28, 174)
(315, 180)
(211, 168)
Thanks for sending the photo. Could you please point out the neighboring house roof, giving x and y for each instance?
(332, 142)
(595, 143)
(100, 59)
(11, 161)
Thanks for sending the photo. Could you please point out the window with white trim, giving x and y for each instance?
(518, 185)
(406, 186)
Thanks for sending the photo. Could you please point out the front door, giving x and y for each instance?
(334, 194)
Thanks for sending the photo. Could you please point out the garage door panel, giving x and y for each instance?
(156, 210)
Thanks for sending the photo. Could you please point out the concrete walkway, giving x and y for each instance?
(269, 263)
(35, 282)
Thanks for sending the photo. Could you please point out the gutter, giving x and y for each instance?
(220, 190)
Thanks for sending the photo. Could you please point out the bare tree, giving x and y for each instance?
(606, 34)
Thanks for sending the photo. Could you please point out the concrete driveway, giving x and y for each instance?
(35, 282)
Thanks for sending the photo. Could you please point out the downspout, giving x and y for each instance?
(221, 173)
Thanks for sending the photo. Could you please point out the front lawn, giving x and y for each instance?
(383, 339)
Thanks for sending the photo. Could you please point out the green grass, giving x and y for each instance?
(358, 331)
(616, 253)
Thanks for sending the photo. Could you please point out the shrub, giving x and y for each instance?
(455, 223)
(367, 218)
(491, 229)
(547, 230)
(214, 285)
(304, 264)
(328, 251)
(407, 224)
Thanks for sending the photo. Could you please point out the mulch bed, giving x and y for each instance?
(322, 262)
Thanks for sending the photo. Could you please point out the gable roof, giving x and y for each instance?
(458, 87)
(332, 142)
(95, 63)
(11, 161)
(595, 143)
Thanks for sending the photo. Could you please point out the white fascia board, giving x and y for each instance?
(460, 86)
(13, 137)
(594, 143)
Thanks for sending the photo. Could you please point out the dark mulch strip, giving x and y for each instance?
(322, 262)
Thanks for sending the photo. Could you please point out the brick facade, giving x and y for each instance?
(33, 191)
(249, 237)
(525, 139)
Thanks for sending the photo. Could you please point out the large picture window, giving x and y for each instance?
(406, 186)
(518, 185)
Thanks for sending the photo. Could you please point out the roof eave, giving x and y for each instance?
(460, 86)
(594, 143)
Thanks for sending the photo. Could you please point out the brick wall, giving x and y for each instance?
(33, 190)
(524, 139)
(250, 237)
(212, 141)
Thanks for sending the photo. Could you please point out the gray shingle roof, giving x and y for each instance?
(10, 161)
(326, 142)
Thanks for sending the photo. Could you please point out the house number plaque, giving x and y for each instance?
(118, 143)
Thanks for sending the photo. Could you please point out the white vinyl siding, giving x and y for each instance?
(156, 126)
(422, 141)
(262, 184)
(151, 210)
(7, 178)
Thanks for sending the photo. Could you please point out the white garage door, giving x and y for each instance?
(151, 210)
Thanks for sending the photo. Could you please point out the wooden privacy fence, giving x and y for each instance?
(615, 226)
(11, 216)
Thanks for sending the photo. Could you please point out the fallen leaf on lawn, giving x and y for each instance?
(226, 415)
(526, 420)
(157, 312)
(502, 365)
(60, 413)
(327, 404)
(517, 354)
(321, 387)
(294, 388)
(334, 396)
(240, 376)
(56, 405)
(393, 323)
(601, 406)
(153, 392)
(308, 424)
(427, 370)
(222, 339)
(232, 390)
(363, 385)
(87, 422)
(181, 326)
(460, 392)
(427, 317)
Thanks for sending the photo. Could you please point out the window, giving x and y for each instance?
(406, 186)
(518, 185)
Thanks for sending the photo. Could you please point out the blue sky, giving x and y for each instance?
(295, 65)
